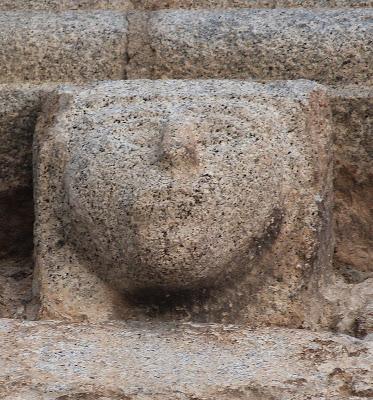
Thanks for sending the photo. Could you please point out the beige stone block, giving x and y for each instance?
(125, 5)
(191, 200)
(139, 361)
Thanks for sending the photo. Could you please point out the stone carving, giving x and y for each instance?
(183, 199)
(183, 228)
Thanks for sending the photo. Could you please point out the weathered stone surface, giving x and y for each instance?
(259, 44)
(63, 5)
(46, 360)
(16, 297)
(329, 46)
(352, 109)
(352, 290)
(124, 5)
(67, 47)
(352, 306)
(202, 200)
(191, 201)
(19, 108)
(203, 4)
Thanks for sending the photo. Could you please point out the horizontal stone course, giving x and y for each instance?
(62, 47)
(80, 46)
(61, 5)
(54, 360)
(330, 46)
(201, 4)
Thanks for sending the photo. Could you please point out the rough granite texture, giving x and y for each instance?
(206, 4)
(147, 200)
(64, 5)
(186, 201)
(124, 5)
(19, 108)
(352, 109)
(137, 361)
(79, 46)
(253, 44)
(62, 47)
(351, 113)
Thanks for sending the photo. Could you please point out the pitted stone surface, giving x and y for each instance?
(352, 109)
(329, 46)
(63, 5)
(62, 47)
(50, 361)
(209, 4)
(19, 108)
(195, 198)
(20, 105)
(191, 201)
(166, 193)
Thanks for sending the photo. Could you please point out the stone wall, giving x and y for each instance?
(101, 134)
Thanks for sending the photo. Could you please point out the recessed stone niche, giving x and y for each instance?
(199, 201)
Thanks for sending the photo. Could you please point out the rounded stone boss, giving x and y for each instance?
(174, 186)
(168, 194)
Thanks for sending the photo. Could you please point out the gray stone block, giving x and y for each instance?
(125, 5)
(210, 4)
(329, 46)
(62, 47)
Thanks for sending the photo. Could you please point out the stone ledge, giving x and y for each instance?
(209, 4)
(124, 5)
(252, 44)
(259, 44)
(200, 4)
(63, 5)
(53, 360)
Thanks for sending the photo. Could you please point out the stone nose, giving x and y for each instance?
(179, 142)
